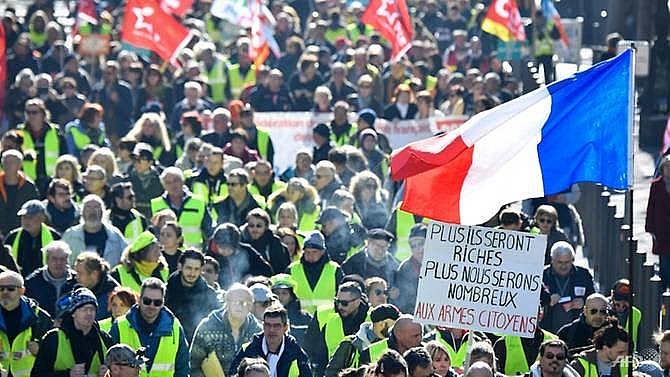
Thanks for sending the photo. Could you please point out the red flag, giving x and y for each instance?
(3, 70)
(504, 21)
(177, 7)
(392, 20)
(146, 25)
(262, 33)
(86, 12)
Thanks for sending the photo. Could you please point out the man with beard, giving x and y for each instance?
(149, 324)
(22, 325)
(92, 235)
(257, 233)
(188, 295)
(611, 346)
(77, 348)
(123, 214)
(317, 276)
(62, 211)
(553, 361)
(382, 319)
(280, 350)
(322, 340)
(578, 333)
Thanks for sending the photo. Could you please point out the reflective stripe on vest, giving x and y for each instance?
(51, 152)
(65, 358)
(323, 292)
(516, 362)
(237, 82)
(166, 354)
(15, 357)
(190, 218)
(45, 238)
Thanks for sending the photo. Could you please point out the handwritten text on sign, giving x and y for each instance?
(481, 279)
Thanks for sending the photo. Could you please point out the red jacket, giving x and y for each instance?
(658, 216)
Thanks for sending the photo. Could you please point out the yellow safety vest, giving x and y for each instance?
(637, 317)
(15, 357)
(457, 357)
(591, 370)
(106, 324)
(354, 32)
(344, 138)
(307, 222)
(217, 80)
(238, 83)
(133, 228)
(201, 191)
(323, 292)
(81, 139)
(544, 46)
(276, 186)
(263, 141)
(333, 334)
(332, 34)
(516, 362)
(403, 224)
(166, 354)
(45, 237)
(377, 348)
(126, 279)
(51, 151)
(65, 357)
(190, 219)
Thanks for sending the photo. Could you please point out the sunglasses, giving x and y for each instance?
(545, 221)
(601, 311)
(558, 356)
(8, 288)
(343, 302)
(155, 302)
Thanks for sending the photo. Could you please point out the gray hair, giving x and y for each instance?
(562, 248)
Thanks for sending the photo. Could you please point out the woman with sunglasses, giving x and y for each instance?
(546, 222)
(141, 260)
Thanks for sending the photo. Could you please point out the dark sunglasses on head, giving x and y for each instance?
(558, 356)
(8, 288)
(155, 302)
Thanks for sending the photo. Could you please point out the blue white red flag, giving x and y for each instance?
(574, 130)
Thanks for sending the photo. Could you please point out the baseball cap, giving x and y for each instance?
(124, 354)
(315, 240)
(80, 297)
(262, 293)
(418, 230)
(143, 150)
(285, 281)
(380, 234)
(32, 207)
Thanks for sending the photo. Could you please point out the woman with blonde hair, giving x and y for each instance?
(105, 158)
(305, 198)
(150, 128)
(441, 359)
(370, 199)
(67, 167)
(141, 260)
(545, 222)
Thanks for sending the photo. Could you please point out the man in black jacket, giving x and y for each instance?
(188, 295)
(283, 285)
(280, 350)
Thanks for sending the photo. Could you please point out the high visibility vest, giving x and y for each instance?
(307, 222)
(217, 80)
(544, 46)
(323, 292)
(516, 362)
(81, 139)
(133, 228)
(637, 317)
(403, 224)
(237, 83)
(51, 152)
(377, 348)
(166, 354)
(201, 190)
(45, 237)
(591, 370)
(333, 334)
(332, 34)
(293, 370)
(457, 357)
(106, 324)
(344, 138)
(128, 280)
(354, 32)
(15, 357)
(263, 141)
(65, 358)
(276, 186)
(190, 218)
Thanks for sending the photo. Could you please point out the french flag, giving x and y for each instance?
(574, 130)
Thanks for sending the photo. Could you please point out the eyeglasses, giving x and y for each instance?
(253, 225)
(342, 302)
(8, 288)
(155, 302)
(594, 311)
(233, 184)
(558, 356)
(544, 220)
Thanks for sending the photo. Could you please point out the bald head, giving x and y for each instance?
(479, 369)
(407, 333)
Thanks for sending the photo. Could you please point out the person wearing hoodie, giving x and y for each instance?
(150, 324)
(256, 231)
(276, 346)
(22, 325)
(188, 295)
(78, 346)
(553, 361)
(350, 348)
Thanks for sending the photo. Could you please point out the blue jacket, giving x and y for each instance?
(150, 341)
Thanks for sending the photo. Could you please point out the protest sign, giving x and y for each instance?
(480, 278)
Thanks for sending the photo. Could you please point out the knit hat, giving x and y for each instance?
(124, 354)
(80, 297)
(322, 129)
(145, 239)
(315, 240)
(621, 290)
(368, 115)
(383, 312)
(418, 230)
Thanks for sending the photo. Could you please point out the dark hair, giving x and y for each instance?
(126, 295)
(610, 334)
(276, 311)
(119, 188)
(179, 231)
(211, 260)
(59, 182)
(192, 253)
(390, 363)
(239, 134)
(153, 283)
(337, 156)
(259, 213)
(351, 287)
(89, 111)
(553, 343)
(92, 262)
(417, 357)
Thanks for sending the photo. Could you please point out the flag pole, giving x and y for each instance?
(629, 209)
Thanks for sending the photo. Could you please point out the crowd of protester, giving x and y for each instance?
(141, 206)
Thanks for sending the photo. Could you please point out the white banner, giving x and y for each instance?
(292, 131)
(480, 278)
